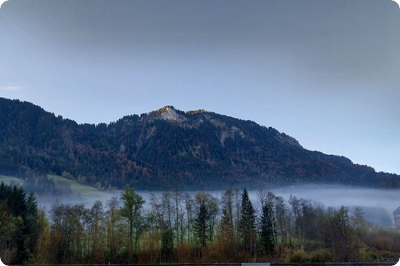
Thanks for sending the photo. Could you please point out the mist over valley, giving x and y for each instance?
(378, 204)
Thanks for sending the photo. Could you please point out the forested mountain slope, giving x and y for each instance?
(164, 149)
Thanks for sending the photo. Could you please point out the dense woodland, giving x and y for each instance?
(177, 227)
(165, 149)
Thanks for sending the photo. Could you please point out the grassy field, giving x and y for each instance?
(85, 192)
(7, 179)
(81, 194)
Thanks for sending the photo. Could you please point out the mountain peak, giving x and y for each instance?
(169, 113)
(165, 109)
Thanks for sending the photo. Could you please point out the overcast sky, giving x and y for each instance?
(326, 72)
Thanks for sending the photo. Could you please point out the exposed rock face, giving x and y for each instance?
(169, 113)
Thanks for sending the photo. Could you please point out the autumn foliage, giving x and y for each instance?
(179, 228)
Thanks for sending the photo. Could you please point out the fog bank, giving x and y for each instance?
(329, 195)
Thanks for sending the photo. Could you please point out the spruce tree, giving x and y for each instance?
(31, 229)
(202, 225)
(267, 230)
(247, 225)
(226, 223)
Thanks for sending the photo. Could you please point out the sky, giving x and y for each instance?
(326, 72)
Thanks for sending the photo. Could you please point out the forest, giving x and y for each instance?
(203, 151)
(177, 227)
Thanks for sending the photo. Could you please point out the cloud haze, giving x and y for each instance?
(11, 88)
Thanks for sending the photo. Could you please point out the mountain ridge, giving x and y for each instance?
(167, 148)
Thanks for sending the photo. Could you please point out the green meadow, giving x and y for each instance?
(78, 189)
(7, 179)
(80, 193)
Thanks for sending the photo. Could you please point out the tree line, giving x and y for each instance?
(183, 228)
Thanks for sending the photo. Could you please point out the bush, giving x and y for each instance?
(321, 255)
(300, 256)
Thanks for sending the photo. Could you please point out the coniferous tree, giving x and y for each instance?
(202, 225)
(31, 229)
(226, 223)
(18, 207)
(267, 230)
(247, 224)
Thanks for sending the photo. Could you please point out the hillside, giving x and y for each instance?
(164, 149)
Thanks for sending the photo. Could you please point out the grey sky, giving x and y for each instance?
(323, 71)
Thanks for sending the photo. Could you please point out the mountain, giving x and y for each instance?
(167, 148)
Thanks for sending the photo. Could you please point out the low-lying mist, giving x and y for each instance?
(328, 195)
